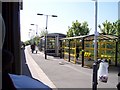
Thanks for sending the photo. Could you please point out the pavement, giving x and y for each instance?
(58, 73)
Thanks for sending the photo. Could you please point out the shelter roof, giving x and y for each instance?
(91, 37)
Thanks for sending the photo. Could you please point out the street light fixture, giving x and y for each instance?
(54, 16)
(46, 31)
(39, 14)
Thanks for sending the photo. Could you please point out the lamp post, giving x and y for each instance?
(96, 33)
(95, 64)
(31, 35)
(46, 31)
(36, 28)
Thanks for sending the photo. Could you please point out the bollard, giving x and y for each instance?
(102, 72)
(94, 83)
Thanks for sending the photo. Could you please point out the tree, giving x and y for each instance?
(117, 27)
(43, 32)
(112, 29)
(78, 29)
(70, 32)
(36, 40)
(27, 42)
(85, 29)
(108, 28)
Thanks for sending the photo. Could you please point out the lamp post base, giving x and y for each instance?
(45, 55)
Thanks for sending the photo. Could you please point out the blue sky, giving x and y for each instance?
(67, 12)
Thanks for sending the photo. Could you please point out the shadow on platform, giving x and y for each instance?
(25, 68)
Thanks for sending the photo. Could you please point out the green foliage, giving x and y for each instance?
(119, 52)
(78, 29)
(117, 27)
(31, 41)
(27, 42)
(112, 28)
(109, 28)
(36, 40)
(70, 32)
(43, 32)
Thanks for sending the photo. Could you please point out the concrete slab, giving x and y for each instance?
(67, 75)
